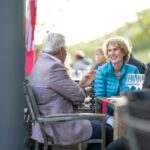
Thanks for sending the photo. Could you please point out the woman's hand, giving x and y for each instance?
(87, 79)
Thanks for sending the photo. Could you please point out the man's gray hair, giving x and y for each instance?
(53, 42)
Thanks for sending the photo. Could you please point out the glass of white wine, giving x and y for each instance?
(140, 79)
(131, 80)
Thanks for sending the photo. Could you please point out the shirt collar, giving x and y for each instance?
(53, 57)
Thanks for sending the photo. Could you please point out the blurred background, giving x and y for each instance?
(87, 23)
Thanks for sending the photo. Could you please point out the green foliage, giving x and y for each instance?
(143, 55)
(38, 47)
(138, 32)
(88, 48)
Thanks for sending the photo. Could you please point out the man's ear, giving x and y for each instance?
(61, 50)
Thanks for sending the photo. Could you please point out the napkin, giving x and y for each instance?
(104, 106)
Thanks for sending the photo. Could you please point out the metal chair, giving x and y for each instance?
(136, 117)
(89, 105)
(36, 117)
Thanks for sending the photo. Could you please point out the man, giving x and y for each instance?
(56, 93)
(146, 83)
(140, 65)
(81, 62)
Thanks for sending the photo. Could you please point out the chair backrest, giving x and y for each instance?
(136, 117)
(31, 102)
(35, 115)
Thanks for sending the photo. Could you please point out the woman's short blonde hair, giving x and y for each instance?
(122, 43)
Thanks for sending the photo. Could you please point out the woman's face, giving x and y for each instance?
(114, 53)
(99, 57)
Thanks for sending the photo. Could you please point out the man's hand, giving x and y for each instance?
(87, 79)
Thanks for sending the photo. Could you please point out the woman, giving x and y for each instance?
(111, 77)
(100, 58)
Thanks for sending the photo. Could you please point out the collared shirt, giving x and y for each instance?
(53, 57)
(110, 121)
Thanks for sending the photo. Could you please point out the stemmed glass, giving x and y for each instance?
(131, 81)
(75, 75)
(140, 80)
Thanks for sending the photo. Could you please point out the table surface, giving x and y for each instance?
(116, 103)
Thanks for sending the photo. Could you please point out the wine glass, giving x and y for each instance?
(75, 75)
(140, 80)
(131, 81)
(78, 74)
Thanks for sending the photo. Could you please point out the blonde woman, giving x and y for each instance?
(111, 77)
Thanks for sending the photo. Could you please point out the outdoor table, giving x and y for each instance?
(116, 103)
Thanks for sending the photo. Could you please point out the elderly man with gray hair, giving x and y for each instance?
(56, 93)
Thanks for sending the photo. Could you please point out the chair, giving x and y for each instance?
(36, 117)
(137, 119)
(89, 105)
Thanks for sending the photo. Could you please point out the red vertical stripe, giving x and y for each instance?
(104, 106)
(29, 62)
(30, 26)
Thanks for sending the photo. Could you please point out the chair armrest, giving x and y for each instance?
(67, 117)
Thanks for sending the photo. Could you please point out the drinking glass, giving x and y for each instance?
(75, 75)
(140, 80)
(131, 81)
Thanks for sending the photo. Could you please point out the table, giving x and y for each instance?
(116, 103)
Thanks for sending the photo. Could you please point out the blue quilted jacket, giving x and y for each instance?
(106, 84)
